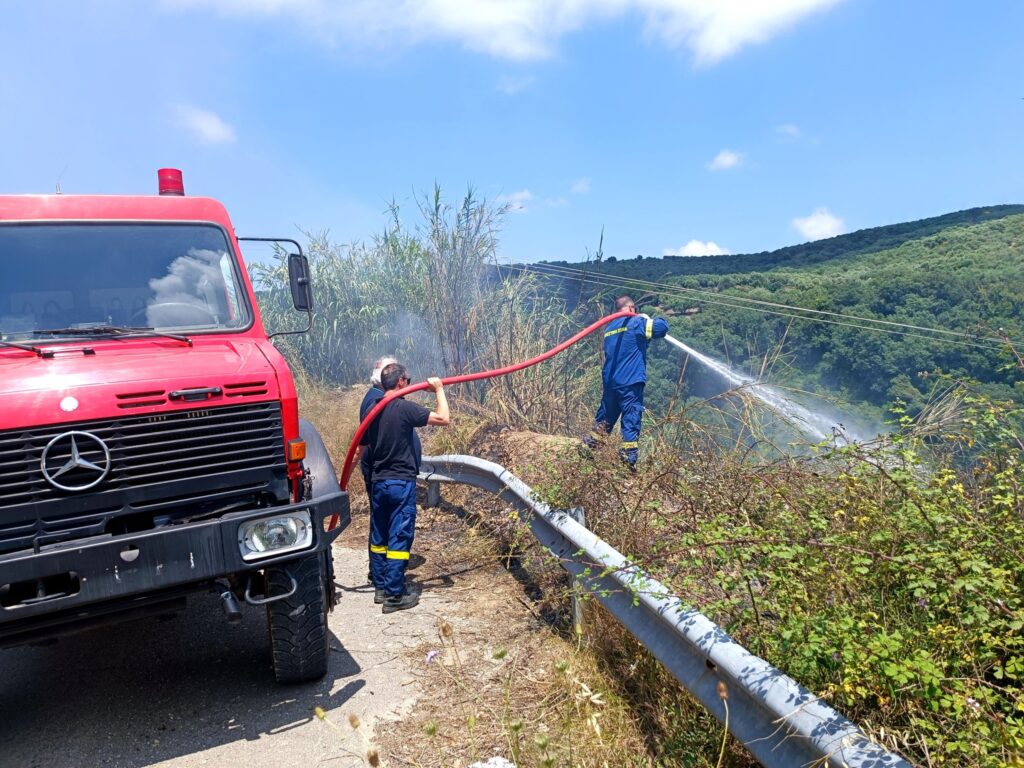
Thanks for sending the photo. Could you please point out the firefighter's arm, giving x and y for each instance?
(653, 328)
(441, 417)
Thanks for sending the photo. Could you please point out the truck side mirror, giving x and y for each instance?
(298, 277)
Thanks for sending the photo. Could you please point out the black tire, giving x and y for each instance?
(299, 639)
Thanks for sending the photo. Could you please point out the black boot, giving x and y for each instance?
(400, 603)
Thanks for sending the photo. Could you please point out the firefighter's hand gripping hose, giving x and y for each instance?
(346, 471)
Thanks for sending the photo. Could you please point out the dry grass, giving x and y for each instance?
(500, 679)
(333, 411)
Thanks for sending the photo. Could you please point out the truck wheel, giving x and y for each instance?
(299, 639)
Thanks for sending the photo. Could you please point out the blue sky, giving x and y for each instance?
(681, 126)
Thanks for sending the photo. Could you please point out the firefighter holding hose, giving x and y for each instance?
(394, 451)
(623, 377)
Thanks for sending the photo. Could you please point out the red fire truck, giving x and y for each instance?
(150, 440)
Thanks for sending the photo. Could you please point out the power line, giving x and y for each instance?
(661, 288)
(700, 291)
(959, 338)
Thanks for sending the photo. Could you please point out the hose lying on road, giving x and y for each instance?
(346, 471)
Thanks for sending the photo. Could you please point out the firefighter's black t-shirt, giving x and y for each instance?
(392, 440)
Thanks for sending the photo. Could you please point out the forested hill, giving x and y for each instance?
(839, 247)
(961, 274)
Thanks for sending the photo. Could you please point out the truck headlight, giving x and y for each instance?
(275, 535)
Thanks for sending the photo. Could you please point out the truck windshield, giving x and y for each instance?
(170, 277)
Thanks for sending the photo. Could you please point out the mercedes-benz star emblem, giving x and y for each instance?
(81, 458)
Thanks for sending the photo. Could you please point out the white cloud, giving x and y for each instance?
(819, 225)
(206, 126)
(510, 86)
(581, 186)
(516, 201)
(698, 248)
(788, 131)
(529, 29)
(725, 160)
(716, 29)
(556, 202)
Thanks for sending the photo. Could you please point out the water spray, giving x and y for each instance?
(813, 424)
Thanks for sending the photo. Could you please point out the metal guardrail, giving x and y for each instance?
(779, 721)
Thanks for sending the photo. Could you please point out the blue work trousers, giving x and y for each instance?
(392, 526)
(626, 403)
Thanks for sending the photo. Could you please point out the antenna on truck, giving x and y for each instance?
(60, 176)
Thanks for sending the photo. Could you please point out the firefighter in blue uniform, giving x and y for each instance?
(395, 456)
(373, 396)
(623, 377)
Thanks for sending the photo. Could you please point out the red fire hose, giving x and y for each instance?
(346, 471)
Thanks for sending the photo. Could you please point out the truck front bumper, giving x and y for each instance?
(100, 576)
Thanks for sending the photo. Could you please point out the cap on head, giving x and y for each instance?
(379, 366)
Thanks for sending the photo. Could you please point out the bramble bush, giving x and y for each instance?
(886, 579)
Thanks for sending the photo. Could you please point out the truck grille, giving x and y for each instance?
(156, 459)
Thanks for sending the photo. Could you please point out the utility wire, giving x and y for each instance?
(958, 338)
(658, 288)
(554, 268)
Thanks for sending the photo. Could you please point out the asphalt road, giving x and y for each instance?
(196, 691)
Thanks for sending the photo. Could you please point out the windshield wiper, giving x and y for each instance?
(122, 331)
(28, 348)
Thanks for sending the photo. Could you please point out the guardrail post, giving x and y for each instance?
(433, 494)
(576, 513)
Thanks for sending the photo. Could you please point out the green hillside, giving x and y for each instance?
(840, 247)
(963, 272)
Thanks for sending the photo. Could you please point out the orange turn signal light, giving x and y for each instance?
(296, 450)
